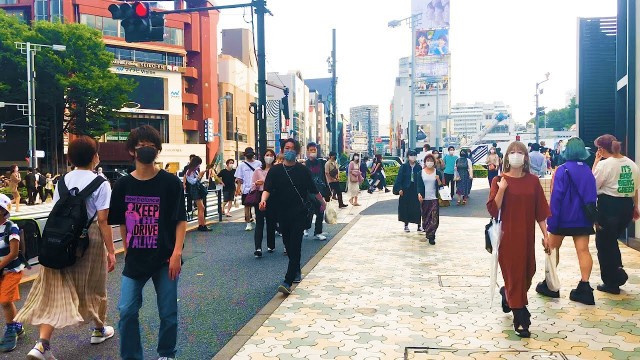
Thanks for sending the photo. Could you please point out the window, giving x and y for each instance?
(110, 27)
(41, 9)
(229, 117)
(55, 10)
(8, 2)
(146, 56)
(173, 36)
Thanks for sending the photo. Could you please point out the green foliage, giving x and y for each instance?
(77, 79)
(561, 119)
(479, 171)
(391, 172)
(21, 191)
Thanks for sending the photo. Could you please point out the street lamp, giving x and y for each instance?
(220, 156)
(412, 21)
(30, 50)
(369, 133)
(537, 106)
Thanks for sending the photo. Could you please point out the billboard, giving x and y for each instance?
(432, 67)
(432, 42)
(435, 14)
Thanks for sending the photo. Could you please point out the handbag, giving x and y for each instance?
(590, 210)
(308, 204)
(253, 198)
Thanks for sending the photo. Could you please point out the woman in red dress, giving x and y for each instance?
(521, 198)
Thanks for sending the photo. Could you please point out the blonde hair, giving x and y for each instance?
(514, 146)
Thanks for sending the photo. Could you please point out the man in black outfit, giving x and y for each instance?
(32, 190)
(42, 182)
(290, 184)
(188, 186)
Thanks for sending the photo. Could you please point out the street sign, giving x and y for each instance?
(39, 154)
(208, 130)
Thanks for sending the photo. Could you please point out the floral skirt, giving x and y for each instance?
(430, 217)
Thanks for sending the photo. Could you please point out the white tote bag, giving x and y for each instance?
(330, 214)
(445, 193)
(550, 271)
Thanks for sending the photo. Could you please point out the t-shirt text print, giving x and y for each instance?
(142, 221)
(626, 185)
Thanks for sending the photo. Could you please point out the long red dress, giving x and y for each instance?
(523, 205)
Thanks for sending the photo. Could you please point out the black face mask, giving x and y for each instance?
(146, 154)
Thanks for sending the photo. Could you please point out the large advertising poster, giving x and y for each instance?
(432, 42)
(434, 13)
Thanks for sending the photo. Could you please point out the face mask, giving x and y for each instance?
(289, 155)
(269, 160)
(312, 155)
(450, 152)
(146, 154)
(231, 166)
(493, 151)
(429, 164)
(412, 158)
(516, 160)
(356, 158)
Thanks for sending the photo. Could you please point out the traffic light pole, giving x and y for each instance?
(261, 10)
(334, 98)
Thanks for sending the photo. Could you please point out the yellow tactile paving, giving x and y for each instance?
(378, 291)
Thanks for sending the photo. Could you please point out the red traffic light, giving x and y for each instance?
(141, 10)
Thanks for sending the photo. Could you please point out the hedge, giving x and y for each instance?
(22, 191)
(480, 172)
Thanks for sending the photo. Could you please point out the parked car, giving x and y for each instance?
(114, 175)
(397, 159)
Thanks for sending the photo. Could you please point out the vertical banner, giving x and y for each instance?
(273, 123)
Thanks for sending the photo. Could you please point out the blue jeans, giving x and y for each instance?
(129, 307)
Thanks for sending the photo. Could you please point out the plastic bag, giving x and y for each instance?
(550, 271)
(445, 193)
(330, 214)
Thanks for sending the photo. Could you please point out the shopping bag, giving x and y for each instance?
(493, 232)
(445, 193)
(330, 214)
(550, 270)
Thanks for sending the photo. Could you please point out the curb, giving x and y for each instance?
(246, 332)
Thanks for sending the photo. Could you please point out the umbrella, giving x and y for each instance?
(495, 233)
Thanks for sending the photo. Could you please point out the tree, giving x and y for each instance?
(561, 119)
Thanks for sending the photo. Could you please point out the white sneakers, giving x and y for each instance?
(320, 237)
(250, 226)
(99, 336)
(306, 233)
(39, 353)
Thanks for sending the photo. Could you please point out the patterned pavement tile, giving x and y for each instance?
(379, 291)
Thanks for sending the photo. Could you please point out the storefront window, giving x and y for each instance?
(110, 27)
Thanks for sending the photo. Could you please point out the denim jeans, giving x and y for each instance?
(129, 307)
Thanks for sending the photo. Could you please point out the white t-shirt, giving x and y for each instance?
(617, 177)
(429, 181)
(100, 198)
(245, 173)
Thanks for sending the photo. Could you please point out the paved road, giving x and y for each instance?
(222, 287)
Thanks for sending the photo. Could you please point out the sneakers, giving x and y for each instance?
(611, 289)
(420, 229)
(406, 229)
(278, 234)
(249, 227)
(270, 250)
(320, 237)
(284, 288)
(203, 228)
(544, 290)
(432, 240)
(583, 294)
(306, 233)
(98, 336)
(257, 253)
(10, 339)
(343, 206)
(39, 352)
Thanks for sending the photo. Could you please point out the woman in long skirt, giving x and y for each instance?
(428, 197)
(406, 185)
(354, 180)
(463, 176)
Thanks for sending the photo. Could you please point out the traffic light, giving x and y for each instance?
(329, 121)
(138, 21)
(285, 107)
(541, 111)
(3, 135)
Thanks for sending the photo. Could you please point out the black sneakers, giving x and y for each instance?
(583, 294)
(611, 289)
(203, 228)
(544, 290)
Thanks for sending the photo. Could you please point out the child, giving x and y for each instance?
(11, 268)
(150, 209)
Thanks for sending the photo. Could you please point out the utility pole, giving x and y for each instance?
(538, 107)
(261, 10)
(369, 136)
(334, 98)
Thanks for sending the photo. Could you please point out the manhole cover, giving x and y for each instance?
(418, 353)
(463, 281)
(367, 311)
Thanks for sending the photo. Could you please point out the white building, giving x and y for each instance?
(298, 126)
(364, 116)
(469, 120)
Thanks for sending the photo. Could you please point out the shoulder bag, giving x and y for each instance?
(489, 228)
(590, 210)
(310, 205)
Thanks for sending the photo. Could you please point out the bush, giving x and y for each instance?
(480, 172)
(22, 191)
(391, 172)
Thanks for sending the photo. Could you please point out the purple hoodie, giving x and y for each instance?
(566, 205)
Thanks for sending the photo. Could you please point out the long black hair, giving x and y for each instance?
(193, 164)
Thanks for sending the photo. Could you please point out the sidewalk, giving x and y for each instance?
(382, 294)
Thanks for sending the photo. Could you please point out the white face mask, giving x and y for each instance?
(312, 155)
(412, 158)
(450, 152)
(429, 164)
(269, 160)
(516, 160)
(356, 158)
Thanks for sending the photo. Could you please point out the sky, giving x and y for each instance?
(499, 48)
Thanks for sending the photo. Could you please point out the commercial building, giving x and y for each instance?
(318, 122)
(177, 78)
(296, 126)
(365, 119)
(323, 87)
(238, 77)
(469, 120)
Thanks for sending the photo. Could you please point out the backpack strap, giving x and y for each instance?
(63, 191)
(7, 231)
(90, 189)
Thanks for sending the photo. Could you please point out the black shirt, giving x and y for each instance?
(150, 210)
(228, 179)
(286, 201)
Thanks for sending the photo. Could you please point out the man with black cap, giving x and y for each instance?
(244, 175)
(331, 171)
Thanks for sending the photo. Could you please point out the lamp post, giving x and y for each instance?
(30, 50)
(537, 106)
(369, 132)
(412, 21)
(220, 156)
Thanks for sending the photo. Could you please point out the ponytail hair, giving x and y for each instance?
(609, 143)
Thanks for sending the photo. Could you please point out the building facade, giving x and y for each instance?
(296, 127)
(366, 119)
(176, 78)
(469, 120)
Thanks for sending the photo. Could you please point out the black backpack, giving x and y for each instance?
(65, 236)
(21, 259)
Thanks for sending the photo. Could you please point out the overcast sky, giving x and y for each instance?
(499, 48)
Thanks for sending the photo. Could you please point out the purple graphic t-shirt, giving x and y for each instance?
(150, 211)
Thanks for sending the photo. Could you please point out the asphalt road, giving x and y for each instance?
(222, 286)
